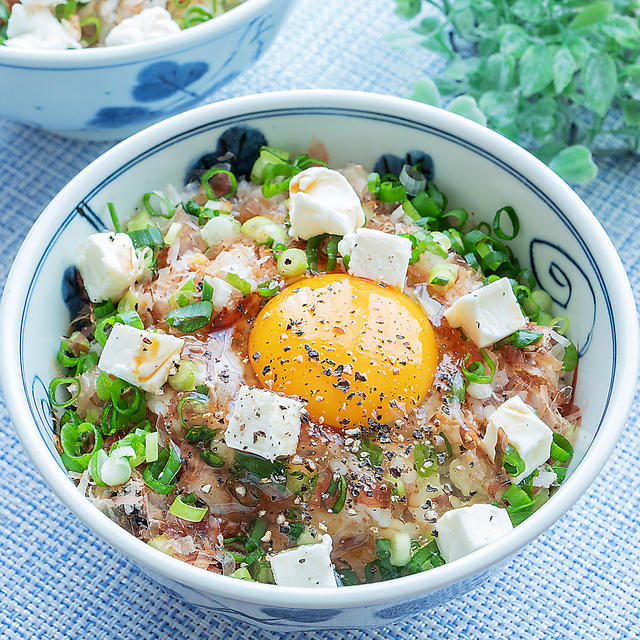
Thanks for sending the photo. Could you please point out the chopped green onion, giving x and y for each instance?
(103, 386)
(196, 15)
(180, 509)
(570, 358)
(373, 183)
(74, 439)
(242, 573)
(332, 252)
(148, 237)
(212, 172)
(165, 210)
(472, 372)
(345, 261)
(338, 487)
(521, 506)
(302, 481)
(312, 250)
(104, 309)
(53, 389)
(513, 464)
(172, 233)
(400, 549)
(348, 577)
(264, 231)
(96, 23)
(425, 459)
(371, 452)
(113, 469)
(425, 206)
(443, 276)
(114, 217)
(185, 377)
(211, 458)
(391, 192)
(239, 283)
(513, 218)
(268, 289)
(119, 389)
(159, 475)
(560, 324)
(293, 262)
(195, 435)
(151, 447)
(191, 317)
(425, 558)
(561, 448)
(207, 290)
(561, 473)
(198, 398)
(520, 339)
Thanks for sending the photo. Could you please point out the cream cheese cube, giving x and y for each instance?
(109, 265)
(150, 24)
(529, 435)
(377, 255)
(264, 423)
(488, 314)
(142, 358)
(323, 201)
(306, 566)
(464, 530)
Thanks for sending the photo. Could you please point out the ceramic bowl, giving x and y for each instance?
(560, 240)
(108, 93)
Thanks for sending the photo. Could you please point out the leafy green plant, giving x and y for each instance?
(559, 77)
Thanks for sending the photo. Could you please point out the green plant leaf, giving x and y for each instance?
(579, 48)
(468, 107)
(500, 107)
(592, 14)
(632, 80)
(631, 114)
(539, 117)
(599, 83)
(536, 69)
(529, 10)
(408, 9)
(403, 38)
(425, 90)
(434, 36)
(564, 66)
(575, 165)
(623, 29)
(513, 40)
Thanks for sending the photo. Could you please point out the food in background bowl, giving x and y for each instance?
(284, 368)
(60, 24)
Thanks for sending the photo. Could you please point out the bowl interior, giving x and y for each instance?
(549, 242)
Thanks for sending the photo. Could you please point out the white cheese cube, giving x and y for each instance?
(377, 255)
(142, 358)
(222, 228)
(150, 24)
(462, 531)
(109, 265)
(525, 432)
(488, 314)
(306, 566)
(33, 26)
(264, 423)
(323, 201)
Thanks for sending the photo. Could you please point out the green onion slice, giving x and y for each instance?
(268, 289)
(191, 317)
(371, 452)
(148, 237)
(160, 474)
(338, 488)
(513, 464)
(212, 172)
(473, 372)
(570, 358)
(211, 458)
(53, 389)
(164, 210)
(96, 23)
(425, 459)
(115, 221)
(118, 392)
(513, 218)
(520, 339)
(561, 448)
(198, 398)
(74, 439)
(180, 509)
(239, 283)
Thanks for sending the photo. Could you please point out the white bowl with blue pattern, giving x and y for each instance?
(108, 93)
(560, 240)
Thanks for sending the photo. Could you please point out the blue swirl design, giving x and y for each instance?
(567, 284)
(42, 414)
(170, 79)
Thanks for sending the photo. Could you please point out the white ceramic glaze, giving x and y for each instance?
(560, 240)
(108, 93)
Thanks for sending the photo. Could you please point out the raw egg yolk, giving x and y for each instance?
(354, 349)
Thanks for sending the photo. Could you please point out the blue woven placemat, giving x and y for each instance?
(58, 580)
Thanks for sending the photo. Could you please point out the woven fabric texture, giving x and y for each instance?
(59, 581)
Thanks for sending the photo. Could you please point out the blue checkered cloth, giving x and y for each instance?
(58, 580)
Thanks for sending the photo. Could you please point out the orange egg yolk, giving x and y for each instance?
(354, 349)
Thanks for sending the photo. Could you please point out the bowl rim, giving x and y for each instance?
(134, 53)
(624, 313)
